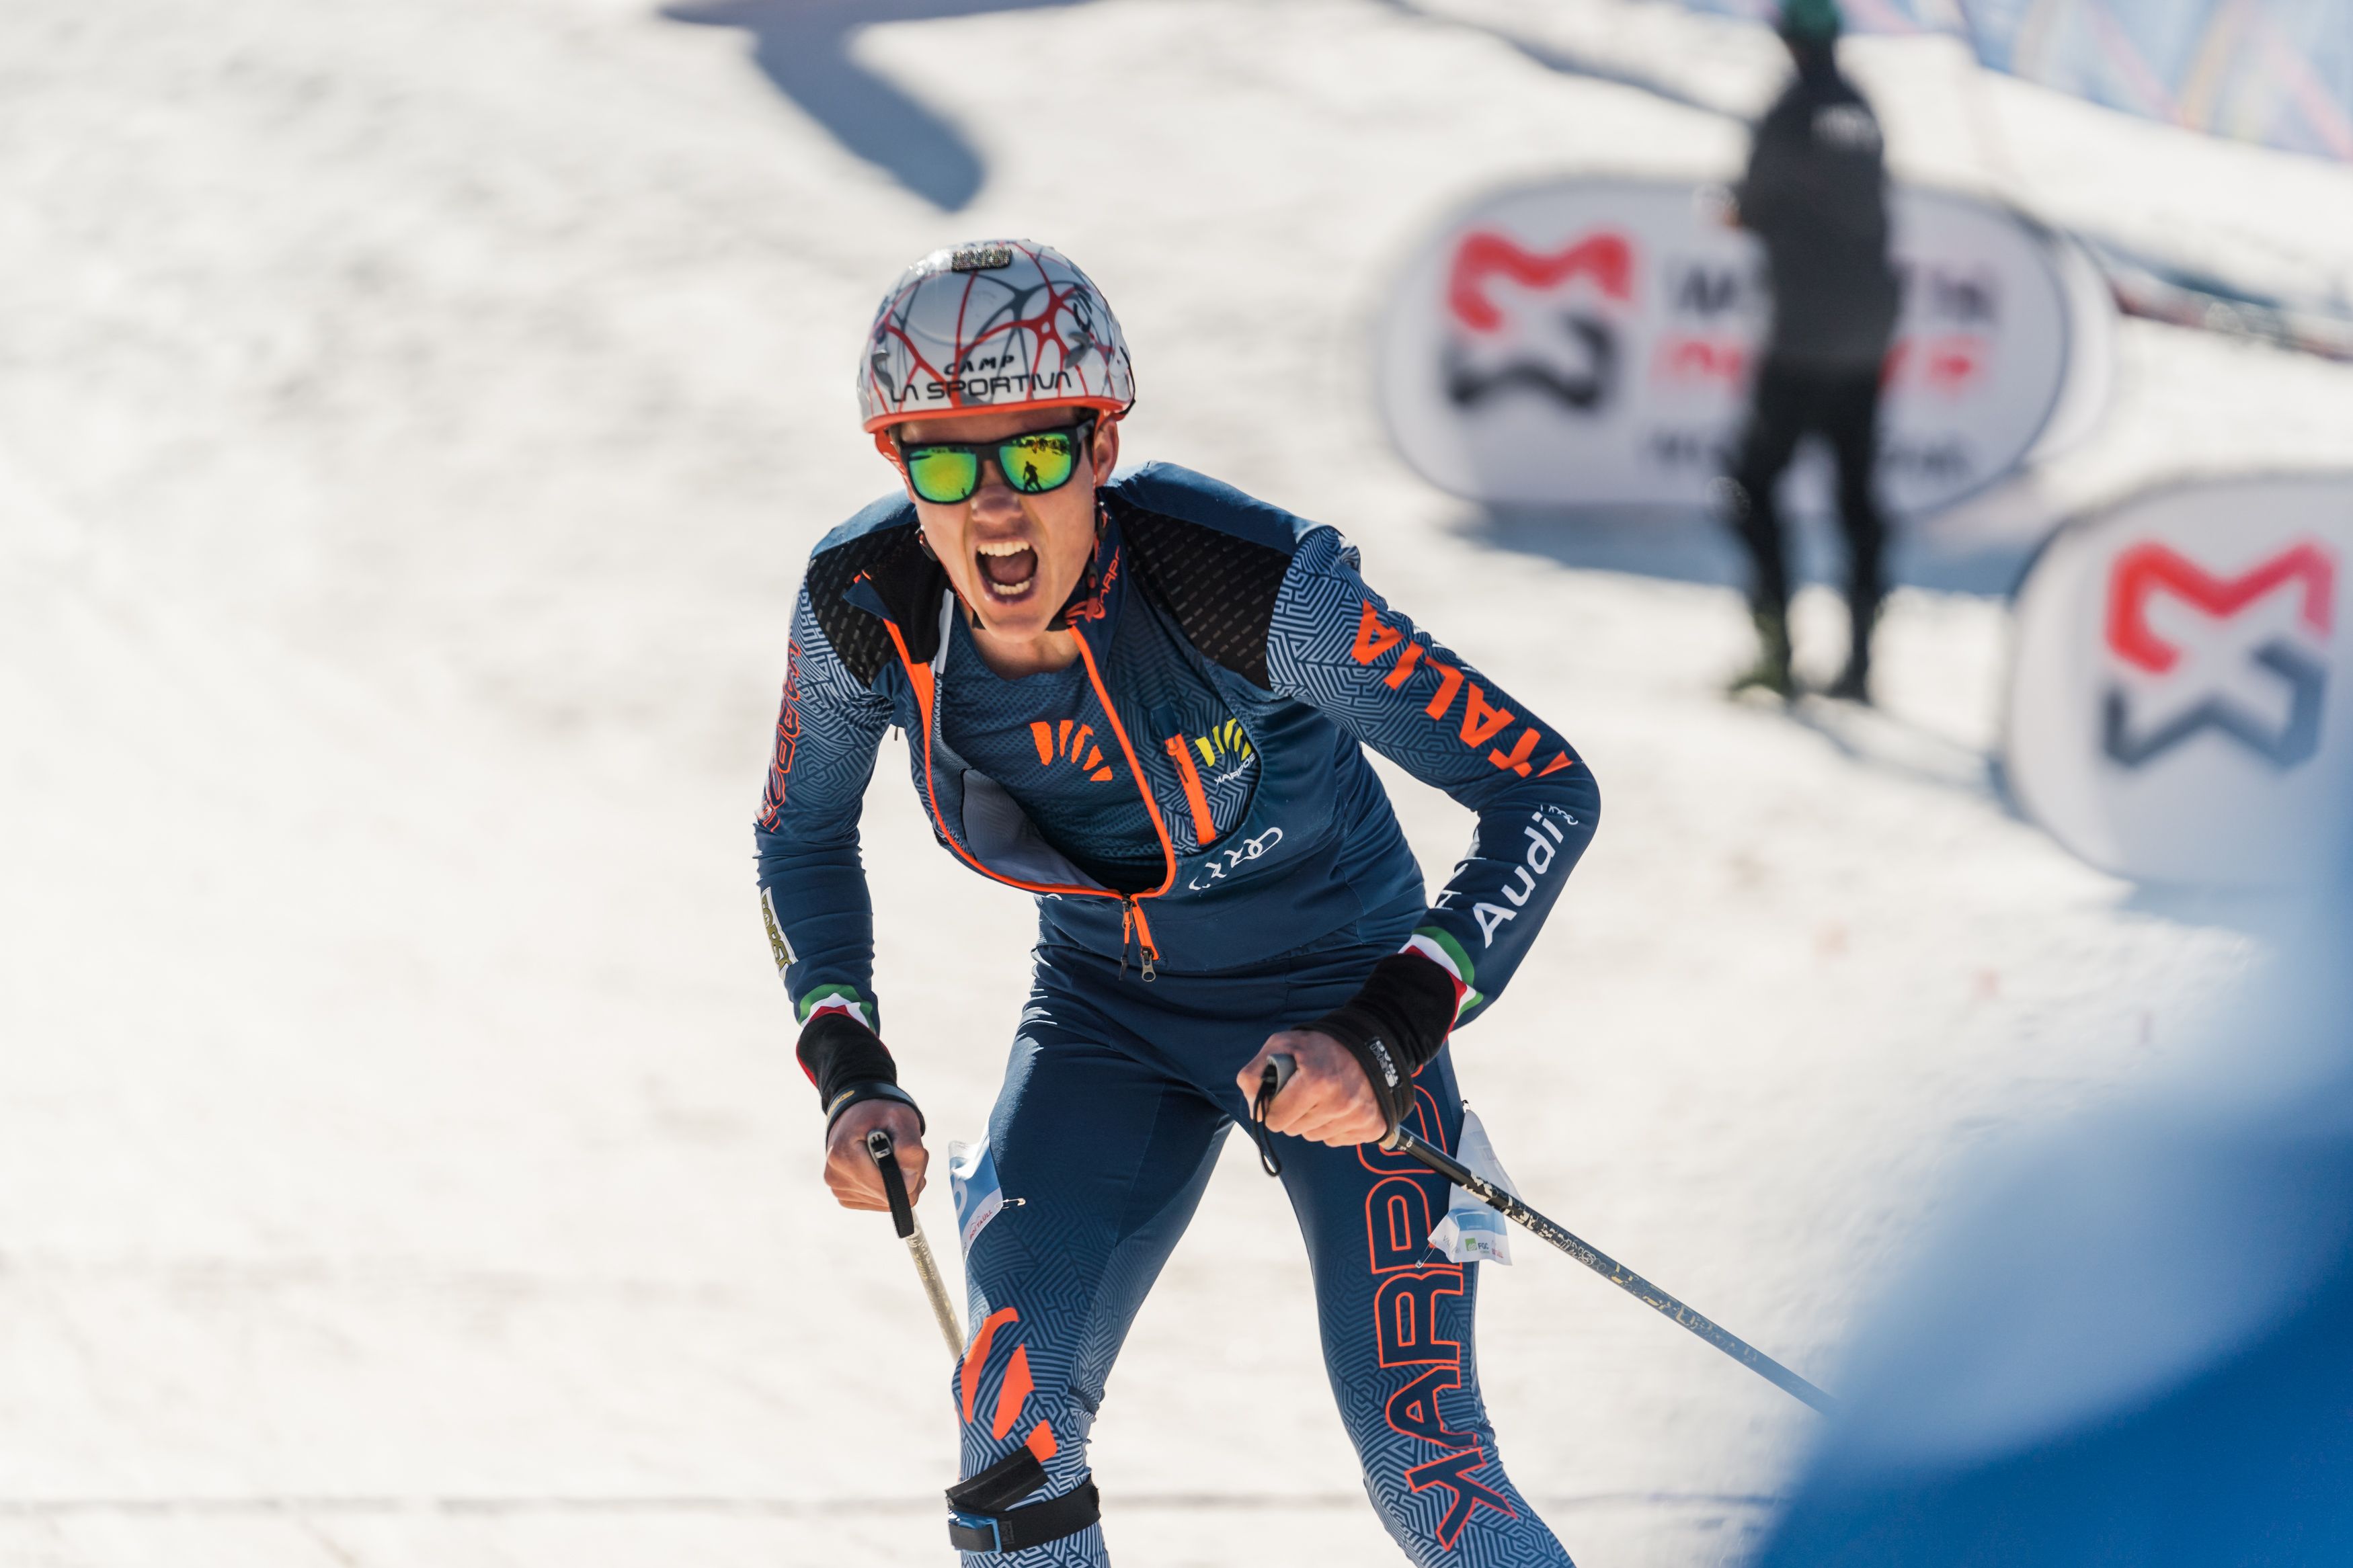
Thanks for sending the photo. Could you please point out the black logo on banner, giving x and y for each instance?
(1604, 261)
(1584, 389)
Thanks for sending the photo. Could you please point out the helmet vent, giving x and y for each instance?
(980, 257)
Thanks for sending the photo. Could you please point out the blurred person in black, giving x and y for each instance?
(1816, 196)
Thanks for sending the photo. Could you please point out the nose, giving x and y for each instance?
(995, 490)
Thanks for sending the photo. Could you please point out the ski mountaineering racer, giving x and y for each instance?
(1144, 699)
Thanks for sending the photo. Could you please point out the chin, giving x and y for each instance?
(1022, 626)
(1025, 616)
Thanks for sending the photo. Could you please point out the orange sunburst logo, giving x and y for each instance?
(1072, 741)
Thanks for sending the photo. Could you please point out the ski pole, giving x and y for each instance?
(1402, 1141)
(902, 1219)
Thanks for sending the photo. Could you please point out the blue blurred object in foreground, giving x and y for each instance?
(2138, 1350)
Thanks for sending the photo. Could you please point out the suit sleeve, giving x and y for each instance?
(813, 893)
(1339, 646)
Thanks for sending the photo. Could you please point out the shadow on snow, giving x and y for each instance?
(803, 47)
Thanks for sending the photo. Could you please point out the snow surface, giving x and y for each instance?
(413, 420)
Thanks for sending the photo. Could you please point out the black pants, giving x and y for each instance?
(1842, 406)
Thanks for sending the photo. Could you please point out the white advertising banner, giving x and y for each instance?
(2180, 699)
(1590, 341)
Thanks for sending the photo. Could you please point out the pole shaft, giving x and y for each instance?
(1610, 1268)
(911, 1231)
(935, 1288)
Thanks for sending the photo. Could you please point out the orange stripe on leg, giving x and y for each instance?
(976, 1358)
(1041, 1441)
(1017, 1384)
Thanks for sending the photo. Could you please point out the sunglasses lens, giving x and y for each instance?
(943, 475)
(1038, 462)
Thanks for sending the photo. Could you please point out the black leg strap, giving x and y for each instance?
(987, 1520)
(1025, 1527)
(999, 1487)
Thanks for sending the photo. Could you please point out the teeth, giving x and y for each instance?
(1006, 547)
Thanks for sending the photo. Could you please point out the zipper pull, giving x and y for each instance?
(1144, 940)
(1133, 928)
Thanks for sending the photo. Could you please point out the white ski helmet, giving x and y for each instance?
(1003, 324)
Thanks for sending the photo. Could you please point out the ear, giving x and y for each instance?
(1105, 450)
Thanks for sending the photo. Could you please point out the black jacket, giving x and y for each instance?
(1816, 194)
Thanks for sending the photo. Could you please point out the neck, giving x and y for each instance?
(1017, 654)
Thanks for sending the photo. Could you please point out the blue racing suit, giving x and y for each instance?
(1240, 663)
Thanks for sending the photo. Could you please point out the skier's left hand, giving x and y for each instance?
(1328, 1099)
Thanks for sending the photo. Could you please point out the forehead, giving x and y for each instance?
(989, 425)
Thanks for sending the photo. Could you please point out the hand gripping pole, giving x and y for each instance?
(903, 1218)
(1402, 1141)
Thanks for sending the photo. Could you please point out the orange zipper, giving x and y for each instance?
(1132, 924)
(1151, 954)
(1205, 831)
(1132, 914)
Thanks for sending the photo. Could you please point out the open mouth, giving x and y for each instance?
(1009, 569)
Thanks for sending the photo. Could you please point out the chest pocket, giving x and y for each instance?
(1211, 774)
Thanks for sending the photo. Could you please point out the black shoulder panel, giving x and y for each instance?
(858, 637)
(1220, 588)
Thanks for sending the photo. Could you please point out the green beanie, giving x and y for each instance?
(1809, 21)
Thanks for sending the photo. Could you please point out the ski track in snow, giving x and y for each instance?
(412, 424)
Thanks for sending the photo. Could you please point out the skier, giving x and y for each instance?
(1816, 194)
(1143, 699)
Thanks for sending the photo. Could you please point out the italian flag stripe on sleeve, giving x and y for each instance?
(836, 999)
(1447, 953)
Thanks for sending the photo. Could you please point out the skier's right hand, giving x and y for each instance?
(850, 1171)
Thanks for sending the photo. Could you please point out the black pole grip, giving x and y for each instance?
(894, 1181)
(1278, 1071)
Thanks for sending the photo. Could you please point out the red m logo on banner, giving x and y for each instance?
(1607, 258)
(2143, 569)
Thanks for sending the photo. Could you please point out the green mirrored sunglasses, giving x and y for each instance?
(1033, 462)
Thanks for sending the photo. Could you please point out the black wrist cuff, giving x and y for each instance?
(848, 1064)
(872, 1088)
(1398, 1020)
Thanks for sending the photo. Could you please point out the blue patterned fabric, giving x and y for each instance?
(1043, 737)
(1116, 1100)
(1300, 842)
(1286, 880)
